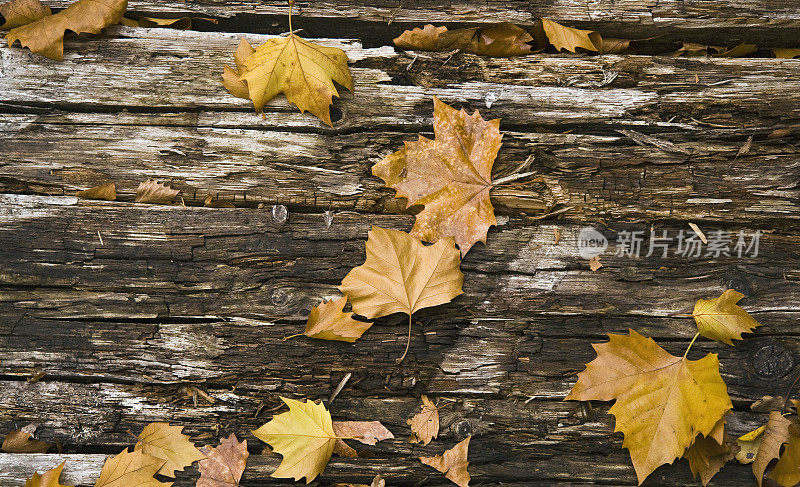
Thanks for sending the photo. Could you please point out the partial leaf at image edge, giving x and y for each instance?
(21, 12)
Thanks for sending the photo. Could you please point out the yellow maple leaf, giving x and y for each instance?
(298, 68)
(401, 275)
(787, 471)
(569, 38)
(230, 76)
(303, 436)
(662, 402)
(425, 424)
(47, 479)
(326, 321)
(46, 35)
(721, 319)
(166, 442)
(453, 463)
(450, 175)
(131, 468)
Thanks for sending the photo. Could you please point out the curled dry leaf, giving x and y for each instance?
(595, 264)
(303, 436)
(450, 175)
(708, 455)
(106, 191)
(771, 439)
(662, 402)
(21, 12)
(131, 468)
(453, 463)
(786, 53)
(425, 424)
(721, 319)
(787, 471)
(326, 321)
(223, 465)
(160, 440)
(500, 39)
(367, 432)
(152, 191)
(569, 38)
(47, 479)
(740, 50)
(46, 35)
(230, 76)
(23, 442)
(182, 23)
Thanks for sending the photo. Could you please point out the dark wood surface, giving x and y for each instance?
(123, 306)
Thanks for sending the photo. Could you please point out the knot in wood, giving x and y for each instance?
(279, 214)
(280, 298)
(772, 361)
(463, 428)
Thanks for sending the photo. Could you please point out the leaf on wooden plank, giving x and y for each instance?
(787, 471)
(450, 175)
(303, 436)
(47, 479)
(425, 424)
(106, 191)
(569, 38)
(131, 468)
(595, 264)
(662, 402)
(740, 50)
(721, 319)
(693, 49)
(708, 455)
(327, 321)
(401, 275)
(501, 39)
(231, 77)
(749, 444)
(378, 481)
(152, 191)
(46, 35)
(211, 202)
(182, 23)
(161, 440)
(223, 465)
(773, 437)
(453, 463)
(367, 432)
(301, 70)
(610, 45)
(21, 12)
(767, 404)
(786, 53)
(22, 442)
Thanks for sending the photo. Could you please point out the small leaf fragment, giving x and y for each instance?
(425, 424)
(303, 436)
(106, 191)
(231, 77)
(786, 53)
(46, 35)
(327, 321)
(740, 50)
(223, 465)
(129, 469)
(21, 442)
(721, 319)
(595, 264)
(453, 463)
(211, 202)
(20, 12)
(47, 479)
(367, 432)
(569, 38)
(708, 454)
(161, 440)
(152, 191)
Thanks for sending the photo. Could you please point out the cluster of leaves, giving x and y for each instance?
(764, 444)
(148, 191)
(666, 406)
(453, 462)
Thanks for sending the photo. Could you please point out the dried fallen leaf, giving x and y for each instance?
(569, 38)
(161, 440)
(500, 39)
(223, 465)
(47, 479)
(152, 191)
(425, 424)
(21, 12)
(326, 321)
(401, 275)
(450, 175)
(662, 402)
(699, 232)
(106, 191)
(614, 46)
(707, 456)
(46, 35)
(786, 53)
(182, 23)
(211, 202)
(367, 432)
(453, 463)
(131, 468)
(774, 435)
(595, 264)
(745, 149)
(301, 70)
(22, 442)
(787, 471)
(230, 76)
(303, 436)
(721, 319)
(693, 49)
(740, 50)
(767, 404)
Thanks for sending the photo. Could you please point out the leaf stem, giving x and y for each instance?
(408, 342)
(512, 177)
(292, 336)
(291, 6)
(690, 344)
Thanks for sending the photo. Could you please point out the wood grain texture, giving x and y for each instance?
(128, 310)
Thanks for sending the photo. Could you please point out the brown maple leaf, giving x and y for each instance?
(500, 39)
(152, 191)
(105, 191)
(47, 479)
(450, 175)
(21, 12)
(327, 321)
(425, 424)
(22, 442)
(223, 465)
(453, 463)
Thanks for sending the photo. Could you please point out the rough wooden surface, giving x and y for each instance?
(125, 308)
